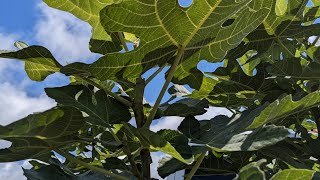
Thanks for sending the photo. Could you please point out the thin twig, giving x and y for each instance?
(123, 42)
(196, 166)
(315, 41)
(71, 158)
(127, 151)
(117, 97)
(114, 135)
(155, 73)
(165, 86)
(284, 47)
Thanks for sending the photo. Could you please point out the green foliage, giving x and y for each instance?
(269, 80)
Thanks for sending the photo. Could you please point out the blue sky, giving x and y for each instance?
(67, 38)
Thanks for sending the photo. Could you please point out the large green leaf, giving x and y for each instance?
(185, 107)
(178, 141)
(102, 109)
(115, 163)
(39, 62)
(169, 165)
(312, 14)
(252, 171)
(233, 88)
(53, 172)
(170, 142)
(225, 134)
(293, 68)
(175, 145)
(211, 164)
(295, 174)
(285, 107)
(161, 36)
(281, 7)
(276, 38)
(291, 153)
(34, 136)
(187, 73)
(88, 10)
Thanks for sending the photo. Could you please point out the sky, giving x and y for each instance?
(67, 38)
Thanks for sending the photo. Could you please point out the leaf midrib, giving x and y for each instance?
(187, 41)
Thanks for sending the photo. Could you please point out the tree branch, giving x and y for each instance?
(315, 41)
(155, 74)
(117, 97)
(196, 166)
(84, 164)
(284, 47)
(316, 111)
(165, 86)
(123, 42)
(127, 151)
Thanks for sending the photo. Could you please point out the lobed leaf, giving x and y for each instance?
(161, 36)
(34, 136)
(102, 110)
(295, 174)
(39, 62)
(88, 11)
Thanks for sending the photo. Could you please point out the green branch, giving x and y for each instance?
(127, 151)
(71, 158)
(117, 97)
(165, 86)
(315, 41)
(284, 47)
(155, 73)
(123, 42)
(196, 166)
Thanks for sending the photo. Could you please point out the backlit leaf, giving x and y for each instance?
(39, 62)
(102, 109)
(161, 36)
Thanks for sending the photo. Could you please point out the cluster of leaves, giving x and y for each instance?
(269, 81)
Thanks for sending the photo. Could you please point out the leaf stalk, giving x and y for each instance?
(173, 68)
(84, 164)
(117, 97)
(123, 42)
(196, 166)
(155, 73)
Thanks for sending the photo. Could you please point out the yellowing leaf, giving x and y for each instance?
(281, 7)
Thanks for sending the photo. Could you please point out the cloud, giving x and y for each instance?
(13, 170)
(213, 112)
(15, 103)
(6, 43)
(63, 34)
(156, 157)
(312, 39)
(172, 122)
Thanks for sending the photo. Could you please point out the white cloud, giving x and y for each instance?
(156, 157)
(169, 122)
(172, 122)
(13, 170)
(213, 112)
(6, 43)
(312, 39)
(16, 104)
(63, 34)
